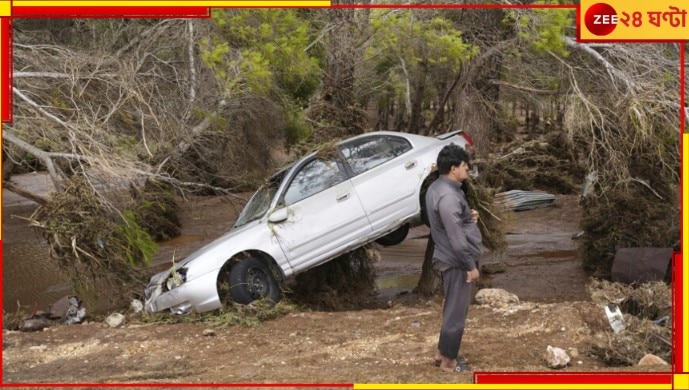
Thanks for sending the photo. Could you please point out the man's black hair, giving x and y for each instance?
(451, 155)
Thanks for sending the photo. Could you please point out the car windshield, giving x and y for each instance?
(260, 201)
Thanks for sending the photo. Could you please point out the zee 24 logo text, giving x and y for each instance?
(602, 19)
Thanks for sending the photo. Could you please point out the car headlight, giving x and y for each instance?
(176, 279)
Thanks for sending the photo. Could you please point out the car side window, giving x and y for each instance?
(312, 178)
(367, 153)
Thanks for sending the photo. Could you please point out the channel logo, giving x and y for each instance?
(601, 19)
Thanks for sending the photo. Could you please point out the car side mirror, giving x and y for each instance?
(279, 215)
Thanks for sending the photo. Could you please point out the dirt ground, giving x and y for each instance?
(393, 344)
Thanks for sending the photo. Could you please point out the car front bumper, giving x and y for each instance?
(198, 295)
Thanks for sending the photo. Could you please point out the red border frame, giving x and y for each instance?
(480, 378)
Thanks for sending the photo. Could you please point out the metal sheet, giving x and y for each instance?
(639, 265)
(519, 200)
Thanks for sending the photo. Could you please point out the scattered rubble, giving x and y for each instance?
(556, 357)
(114, 320)
(496, 297)
(651, 360)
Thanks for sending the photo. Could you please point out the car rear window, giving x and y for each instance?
(367, 153)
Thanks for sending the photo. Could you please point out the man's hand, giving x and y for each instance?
(472, 275)
(474, 216)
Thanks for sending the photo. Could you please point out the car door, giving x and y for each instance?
(324, 214)
(386, 176)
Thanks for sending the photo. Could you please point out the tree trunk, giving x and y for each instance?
(9, 186)
(336, 109)
(416, 124)
(430, 282)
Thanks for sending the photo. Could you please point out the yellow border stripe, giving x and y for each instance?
(167, 3)
(563, 386)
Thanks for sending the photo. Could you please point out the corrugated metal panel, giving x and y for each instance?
(518, 200)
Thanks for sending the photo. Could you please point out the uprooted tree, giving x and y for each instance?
(146, 111)
(210, 105)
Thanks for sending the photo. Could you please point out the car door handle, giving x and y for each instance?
(342, 197)
(410, 164)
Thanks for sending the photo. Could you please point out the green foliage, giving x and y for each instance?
(405, 40)
(137, 245)
(297, 127)
(544, 28)
(404, 35)
(262, 51)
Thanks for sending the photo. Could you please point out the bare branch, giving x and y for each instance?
(8, 185)
(192, 68)
(612, 71)
(42, 155)
(41, 110)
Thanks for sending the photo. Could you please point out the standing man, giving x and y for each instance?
(457, 250)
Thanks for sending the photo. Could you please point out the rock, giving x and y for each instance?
(651, 360)
(496, 297)
(34, 324)
(114, 320)
(209, 332)
(574, 353)
(556, 357)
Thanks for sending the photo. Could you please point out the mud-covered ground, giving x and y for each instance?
(394, 344)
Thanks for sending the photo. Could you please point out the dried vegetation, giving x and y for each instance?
(92, 244)
(647, 317)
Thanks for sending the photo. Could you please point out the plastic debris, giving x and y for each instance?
(75, 312)
(137, 306)
(615, 317)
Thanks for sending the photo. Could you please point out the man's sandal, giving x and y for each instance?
(460, 360)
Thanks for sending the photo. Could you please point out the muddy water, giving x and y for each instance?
(29, 277)
(29, 280)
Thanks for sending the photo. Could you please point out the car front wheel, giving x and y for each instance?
(250, 280)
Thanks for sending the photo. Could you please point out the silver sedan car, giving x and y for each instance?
(368, 188)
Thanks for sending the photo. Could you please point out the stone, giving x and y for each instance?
(574, 353)
(556, 357)
(651, 360)
(209, 332)
(496, 297)
(114, 320)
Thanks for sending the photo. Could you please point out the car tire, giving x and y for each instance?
(395, 237)
(422, 196)
(251, 279)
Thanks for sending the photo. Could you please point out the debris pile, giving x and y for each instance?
(646, 311)
(155, 209)
(493, 222)
(346, 282)
(95, 246)
(546, 164)
(625, 216)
